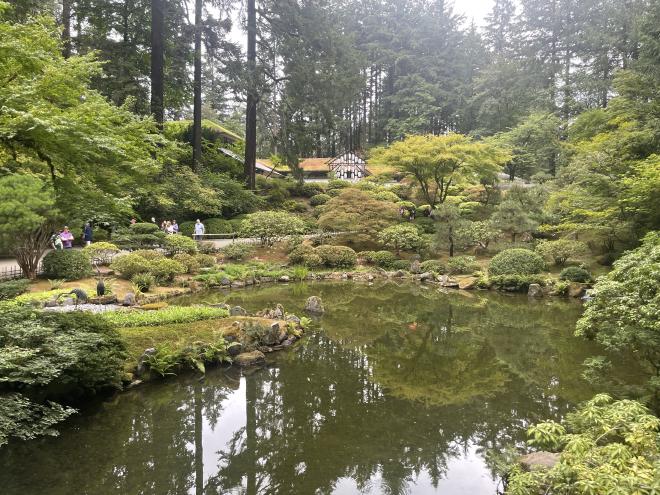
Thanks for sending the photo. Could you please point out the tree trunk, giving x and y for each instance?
(251, 431)
(251, 110)
(197, 89)
(451, 241)
(158, 60)
(66, 28)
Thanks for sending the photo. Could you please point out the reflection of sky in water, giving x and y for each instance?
(366, 403)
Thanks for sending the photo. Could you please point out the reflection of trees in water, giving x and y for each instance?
(398, 382)
(142, 442)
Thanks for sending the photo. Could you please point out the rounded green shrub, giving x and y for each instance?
(383, 259)
(387, 196)
(309, 189)
(237, 250)
(175, 244)
(305, 255)
(129, 265)
(435, 266)
(187, 260)
(205, 260)
(69, 264)
(144, 281)
(187, 228)
(575, 274)
(217, 226)
(293, 206)
(165, 269)
(148, 254)
(516, 261)
(401, 265)
(338, 184)
(319, 199)
(337, 256)
(144, 228)
(462, 265)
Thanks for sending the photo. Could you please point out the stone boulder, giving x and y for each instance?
(415, 267)
(576, 289)
(535, 290)
(467, 283)
(141, 366)
(284, 278)
(293, 318)
(249, 358)
(314, 305)
(538, 461)
(225, 282)
(399, 274)
(238, 284)
(426, 276)
(237, 311)
(129, 299)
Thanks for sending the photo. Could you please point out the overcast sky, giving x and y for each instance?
(473, 9)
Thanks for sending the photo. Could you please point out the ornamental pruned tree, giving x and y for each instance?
(438, 163)
(400, 237)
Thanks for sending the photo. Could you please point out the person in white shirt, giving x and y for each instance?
(199, 230)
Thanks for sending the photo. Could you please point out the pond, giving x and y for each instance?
(397, 389)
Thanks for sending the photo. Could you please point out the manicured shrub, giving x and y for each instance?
(237, 250)
(562, 250)
(144, 281)
(175, 244)
(139, 236)
(337, 256)
(425, 224)
(319, 199)
(101, 252)
(69, 264)
(166, 269)
(401, 265)
(149, 254)
(515, 283)
(462, 265)
(309, 189)
(516, 262)
(338, 184)
(163, 269)
(205, 260)
(270, 226)
(434, 266)
(387, 196)
(218, 226)
(305, 255)
(575, 274)
(333, 193)
(12, 288)
(187, 228)
(399, 237)
(293, 206)
(383, 259)
(187, 260)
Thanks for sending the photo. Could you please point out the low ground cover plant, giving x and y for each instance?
(12, 288)
(169, 315)
(575, 274)
(462, 265)
(162, 268)
(237, 251)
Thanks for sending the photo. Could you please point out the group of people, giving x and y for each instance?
(63, 239)
(169, 227)
(407, 213)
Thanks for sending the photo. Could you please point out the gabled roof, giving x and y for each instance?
(258, 165)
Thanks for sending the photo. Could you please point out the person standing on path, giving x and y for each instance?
(67, 238)
(199, 230)
(175, 227)
(87, 234)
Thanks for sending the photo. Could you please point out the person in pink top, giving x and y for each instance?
(67, 238)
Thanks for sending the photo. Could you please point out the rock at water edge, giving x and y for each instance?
(535, 290)
(249, 358)
(314, 305)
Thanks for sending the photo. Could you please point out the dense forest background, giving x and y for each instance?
(570, 88)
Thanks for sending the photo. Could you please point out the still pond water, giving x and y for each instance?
(397, 389)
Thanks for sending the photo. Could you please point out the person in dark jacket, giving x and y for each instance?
(87, 234)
